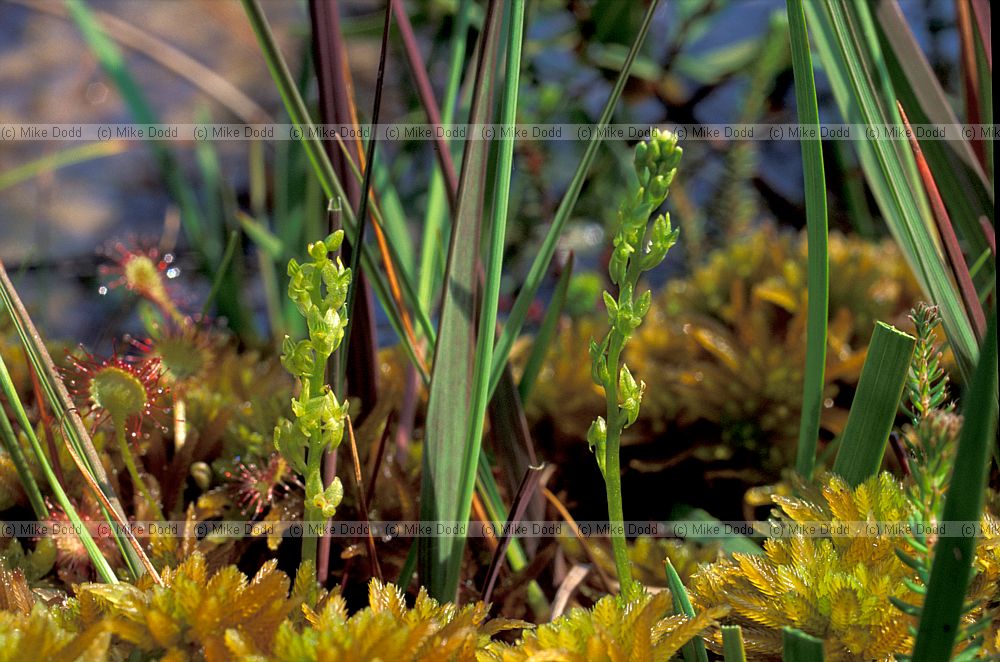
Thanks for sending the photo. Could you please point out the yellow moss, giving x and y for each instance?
(726, 345)
(837, 588)
(639, 629)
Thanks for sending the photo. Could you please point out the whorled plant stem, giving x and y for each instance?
(133, 471)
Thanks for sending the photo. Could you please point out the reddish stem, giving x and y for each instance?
(959, 268)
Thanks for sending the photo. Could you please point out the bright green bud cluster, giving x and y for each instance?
(319, 289)
(321, 413)
(638, 247)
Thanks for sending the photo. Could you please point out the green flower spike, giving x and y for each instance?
(319, 290)
(638, 246)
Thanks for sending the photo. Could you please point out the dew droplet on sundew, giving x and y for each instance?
(173, 272)
(828, 403)
(102, 290)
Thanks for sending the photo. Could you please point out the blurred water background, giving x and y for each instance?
(52, 226)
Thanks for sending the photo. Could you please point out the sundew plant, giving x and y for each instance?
(457, 330)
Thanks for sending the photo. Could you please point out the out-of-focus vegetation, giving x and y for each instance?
(349, 330)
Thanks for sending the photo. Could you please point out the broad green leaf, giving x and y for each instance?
(451, 452)
(876, 402)
(801, 647)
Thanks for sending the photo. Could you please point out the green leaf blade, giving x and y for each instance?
(876, 402)
(818, 258)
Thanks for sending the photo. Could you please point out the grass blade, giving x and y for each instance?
(801, 647)
(514, 22)
(426, 94)
(876, 402)
(431, 263)
(546, 332)
(732, 644)
(529, 483)
(849, 50)
(13, 448)
(60, 159)
(953, 162)
(519, 312)
(959, 268)
(953, 555)
(454, 434)
(816, 224)
(63, 410)
(101, 564)
(331, 184)
(694, 650)
(362, 382)
(447, 467)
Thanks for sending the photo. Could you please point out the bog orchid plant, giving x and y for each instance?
(638, 247)
(319, 290)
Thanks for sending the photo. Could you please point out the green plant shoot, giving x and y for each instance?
(638, 246)
(319, 290)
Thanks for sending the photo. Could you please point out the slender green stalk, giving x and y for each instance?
(876, 402)
(638, 247)
(133, 471)
(13, 447)
(816, 224)
(536, 275)
(612, 468)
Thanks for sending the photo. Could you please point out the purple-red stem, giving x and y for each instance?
(959, 268)
(426, 93)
